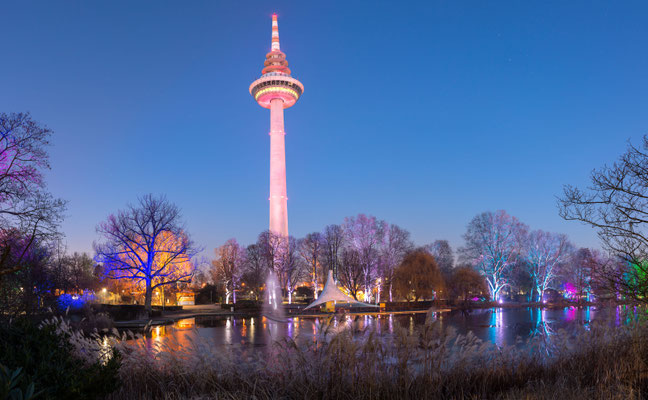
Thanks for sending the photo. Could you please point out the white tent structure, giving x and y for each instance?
(332, 293)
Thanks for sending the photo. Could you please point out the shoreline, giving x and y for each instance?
(211, 311)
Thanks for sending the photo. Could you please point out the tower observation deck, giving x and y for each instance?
(276, 90)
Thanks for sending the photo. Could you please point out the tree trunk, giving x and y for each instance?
(147, 298)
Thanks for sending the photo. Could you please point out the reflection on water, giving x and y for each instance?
(502, 326)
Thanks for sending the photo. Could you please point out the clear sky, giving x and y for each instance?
(420, 113)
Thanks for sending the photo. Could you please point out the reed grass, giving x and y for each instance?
(430, 362)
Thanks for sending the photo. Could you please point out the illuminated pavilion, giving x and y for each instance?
(333, 294)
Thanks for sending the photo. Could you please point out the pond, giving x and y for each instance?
(502, 326)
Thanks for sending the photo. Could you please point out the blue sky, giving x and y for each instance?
(420, 113)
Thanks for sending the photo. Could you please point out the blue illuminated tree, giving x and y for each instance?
(494, 240)
(544, 253)
(147, 244)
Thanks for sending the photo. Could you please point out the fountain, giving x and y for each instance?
(273, 308)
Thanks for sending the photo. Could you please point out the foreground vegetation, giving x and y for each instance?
(429, 362)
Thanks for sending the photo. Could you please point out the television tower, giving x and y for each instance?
(276, 90)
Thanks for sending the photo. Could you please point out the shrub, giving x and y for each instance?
(10, 388)
(49, 360)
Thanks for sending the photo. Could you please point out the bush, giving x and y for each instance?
(10, 388)
(243, 305)
(305, 291)
(48, 360)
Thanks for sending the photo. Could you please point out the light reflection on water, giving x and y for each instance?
(502, 326)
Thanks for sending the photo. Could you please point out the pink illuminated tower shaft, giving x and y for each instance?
(278, 197)
(276, 89)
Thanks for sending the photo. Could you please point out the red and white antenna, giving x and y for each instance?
(275, 33)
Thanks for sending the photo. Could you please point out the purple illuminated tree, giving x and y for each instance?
(311, 249)
(544, 253)
(395, 246)
(146, 243)
(493, 242)
(228, 267)
(25, 206)
(366, 234)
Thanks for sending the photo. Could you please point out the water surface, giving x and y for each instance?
(502, 326)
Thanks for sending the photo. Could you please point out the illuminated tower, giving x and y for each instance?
(277, 90)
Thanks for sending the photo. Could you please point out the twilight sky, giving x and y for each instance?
(420, 113)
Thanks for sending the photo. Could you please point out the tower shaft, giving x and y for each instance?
(278, 196)
(276, 89)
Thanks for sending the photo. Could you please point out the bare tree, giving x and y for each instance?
(25, 206)
(579, 272)
(365, 234)
(147, 243)
(311, 249)
(350, 271)
(292, 269)
(493, 241)
(544, 253)
(616, 205)
(396, 245)
(333, 237)
(280, 254)
(81, 270)
(256, 269)
(227, 267)
(273, 247)
(443, 255)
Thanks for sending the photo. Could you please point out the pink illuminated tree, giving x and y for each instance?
(493, 242)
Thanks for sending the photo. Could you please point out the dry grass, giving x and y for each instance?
(431, 362)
